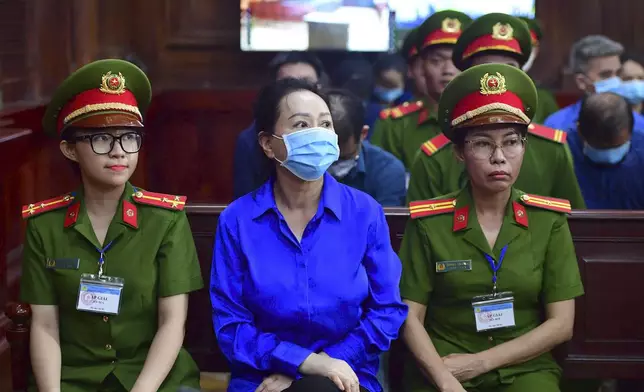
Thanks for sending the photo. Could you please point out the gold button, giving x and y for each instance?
(490, 338)
(108, 347)
(106, 319)
(138, 195)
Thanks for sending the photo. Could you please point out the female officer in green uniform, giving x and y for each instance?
(107, 268)
(480, 264)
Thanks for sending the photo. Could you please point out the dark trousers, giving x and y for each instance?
(315, 384)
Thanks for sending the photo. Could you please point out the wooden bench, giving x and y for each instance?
(608, 340)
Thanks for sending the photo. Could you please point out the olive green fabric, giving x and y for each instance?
(403, 136)
(89, 77)
(547, 105)
(540, 266)
(435, 22)
(541, 381)
(157, 259)
(473, 80)
(408, 44)
(484, 26)
(547, 170)
(534, 25)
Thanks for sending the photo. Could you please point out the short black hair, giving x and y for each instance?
(285, 58)
(268, 108)
(603, 117)
(355, 75)
(348, 114)
(390, 61)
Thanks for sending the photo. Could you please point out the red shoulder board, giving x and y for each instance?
(406, 108)
(419, 209)
(434, 144)
(556, 135)
(547, 203)
(46, 205)
(385, 114)
(171, 202)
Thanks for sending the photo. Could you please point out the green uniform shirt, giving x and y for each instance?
(547, 170)
(156, 259)
(404, 135)
(540, 266)
(547, 105)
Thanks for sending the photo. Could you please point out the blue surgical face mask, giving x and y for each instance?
(608, 156)
(310, 152)
(388, 95)
(632, 91)
(342, 168)
(607, 85)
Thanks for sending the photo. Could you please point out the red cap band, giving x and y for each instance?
(476, 104)
(487, 42)
(92, 101)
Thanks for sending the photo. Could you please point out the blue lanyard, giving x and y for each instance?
(496, 266)
(101, 259)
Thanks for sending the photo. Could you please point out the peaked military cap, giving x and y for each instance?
(105, 93)
(536, 33)
(442, 28)
(409, 50)
(487, 94)
(494, 32)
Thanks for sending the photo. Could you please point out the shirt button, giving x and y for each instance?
(106, 319)
(490, 338)
(108, 347)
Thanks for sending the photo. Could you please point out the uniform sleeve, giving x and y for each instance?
(566, 186)
(392, 186)
(179, 270)
(379, 131)
(561, 280)
(425, 180)
(417, 281)
(36, 286)
(238, 338)
(384, 311)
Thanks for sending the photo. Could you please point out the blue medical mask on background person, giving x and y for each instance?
(607, 85)
(607, 156)
(632, 91)
(310, 152)
(343, 167)
(386, 94)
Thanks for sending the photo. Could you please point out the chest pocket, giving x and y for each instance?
(65, 277)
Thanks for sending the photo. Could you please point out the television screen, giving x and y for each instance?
(349, 25)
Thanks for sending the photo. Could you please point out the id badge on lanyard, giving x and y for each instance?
(100, 293)
(496, 310)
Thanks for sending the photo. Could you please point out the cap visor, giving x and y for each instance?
(492, 118)
(107, 120)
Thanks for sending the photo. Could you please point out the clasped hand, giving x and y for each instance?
(274, 383)
(464, 367)
(335, 370)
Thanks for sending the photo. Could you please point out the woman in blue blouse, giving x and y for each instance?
(304, 283)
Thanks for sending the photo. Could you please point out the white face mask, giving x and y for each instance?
(533, 56)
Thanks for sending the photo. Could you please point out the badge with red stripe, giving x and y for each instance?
(406, 108)
(170, 202)
(46, 205)
(556, 135)
(520, 214)
(547, 203)
(419, 209)
(434, 144)
(460, 218)
(385, 114)
(130, 214)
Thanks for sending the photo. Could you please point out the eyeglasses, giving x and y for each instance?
(484, 149)
(103, 143)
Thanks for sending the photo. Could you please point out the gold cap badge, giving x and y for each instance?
(113, 84)
(493, 84)
(451, 25)
(502, 31)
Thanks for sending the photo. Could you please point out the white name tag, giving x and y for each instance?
(493, 312)
(99, 295)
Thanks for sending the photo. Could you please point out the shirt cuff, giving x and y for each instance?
(348, 350)
(287, 358)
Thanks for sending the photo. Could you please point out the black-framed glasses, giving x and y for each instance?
(103, 143)
(484, 149)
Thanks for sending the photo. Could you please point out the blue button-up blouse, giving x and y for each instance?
(276, 300)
